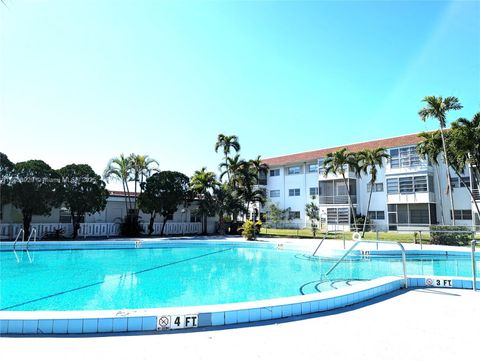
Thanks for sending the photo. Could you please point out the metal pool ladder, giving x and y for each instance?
(21, 232)
(474, 268)
(34, 233)
(323, 239)
(404, 258)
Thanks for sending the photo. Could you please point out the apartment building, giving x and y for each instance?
(409, 192)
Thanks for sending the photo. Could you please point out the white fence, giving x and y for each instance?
(10, 231)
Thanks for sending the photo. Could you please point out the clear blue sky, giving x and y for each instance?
(83, 81)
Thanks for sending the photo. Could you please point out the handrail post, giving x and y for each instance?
(404, 257)
(474, 267)
(21, 232)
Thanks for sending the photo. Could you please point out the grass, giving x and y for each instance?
(307, 233)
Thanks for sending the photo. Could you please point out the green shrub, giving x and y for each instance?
(451, 235)
(248, 230)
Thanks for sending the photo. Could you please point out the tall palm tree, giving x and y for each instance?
(337, 163)
(227, 142)
(437, 107)
(231, 167)
(467, 141)
(227, 201)
(430, 148)
(259, 166)
(464, 148)
(142, 166)
(203, 184)
(369, 160)
(119, 169)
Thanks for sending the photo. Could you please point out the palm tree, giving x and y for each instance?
(467, 141)
(430, 148)
(227, 201)
(119, 169)
(259, 166)
(141, 166)
(464, 148)
(437, 108)
(227, 142)
(369, 160)
(246, 181)
(203, 184)
(336, 163)
(231, 167)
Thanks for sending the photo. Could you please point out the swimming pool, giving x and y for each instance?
(185, 274)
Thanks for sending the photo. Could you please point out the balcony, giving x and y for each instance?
(337, 199)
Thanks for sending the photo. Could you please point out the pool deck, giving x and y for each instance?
(418, 324)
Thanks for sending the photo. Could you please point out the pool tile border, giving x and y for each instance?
(108, 322)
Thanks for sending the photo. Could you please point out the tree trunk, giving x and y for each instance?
(436, 170)
(27, 220)
(75, 224)
(449, 181)
(350, 202)
(135, 196)
(221, 224)
(150, 224)
(125, 196)
(368, 208)
(204, 224)
(163, 225)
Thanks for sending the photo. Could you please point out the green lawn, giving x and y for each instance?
(307, 233)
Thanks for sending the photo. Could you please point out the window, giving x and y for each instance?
(294, 192)
(376, 215)
(457, 184)
(314, 191)
(410, 213)
(275, 193)
(392, 186)
(405, 185)
(294, 170)
(312, 168)
(377, 187)
(169, 217)
(463, 214)
(320, 164)
(293, 215)
(338, 216)
(274, 172)
(404, 157)
(420, 184)
(195, 218)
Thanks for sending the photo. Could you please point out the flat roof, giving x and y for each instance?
(410, 139)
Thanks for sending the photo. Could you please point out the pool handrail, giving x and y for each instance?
(21, 232)
(319, 245)
(474, 268)
(34, 233)
(404, 258)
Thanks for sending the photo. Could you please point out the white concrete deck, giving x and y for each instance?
(420, 324)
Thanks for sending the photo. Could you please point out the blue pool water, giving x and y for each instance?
(171, 276)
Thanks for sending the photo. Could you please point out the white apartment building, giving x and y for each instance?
(410, 193)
